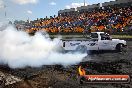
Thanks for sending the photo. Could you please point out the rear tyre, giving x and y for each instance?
(59, 49)
(81, 49)
(120, 48)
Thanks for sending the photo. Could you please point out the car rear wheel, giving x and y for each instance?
(59, 49)
(120, 48)
(81, 49)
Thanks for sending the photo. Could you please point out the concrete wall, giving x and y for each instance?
(115, 2)
(66, 10)
(94, 6)
(82, 8)
(109, 3)
(88, 7)
(123, 1)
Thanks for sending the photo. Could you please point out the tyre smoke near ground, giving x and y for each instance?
(19, 50)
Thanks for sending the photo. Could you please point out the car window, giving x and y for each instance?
(94, 35)
(105, 36)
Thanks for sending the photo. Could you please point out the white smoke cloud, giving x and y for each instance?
(75, 5)
(21, 2)
(1, 4)
(52, 3)
(18, 50)
(29, 12)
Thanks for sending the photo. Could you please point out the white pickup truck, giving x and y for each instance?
(96, 41)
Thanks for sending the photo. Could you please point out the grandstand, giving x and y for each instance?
(112, 17)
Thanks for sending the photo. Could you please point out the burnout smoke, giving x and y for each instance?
(18, 50)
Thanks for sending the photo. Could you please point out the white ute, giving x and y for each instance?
(97, 41)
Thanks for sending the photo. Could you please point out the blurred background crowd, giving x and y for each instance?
(111, 17)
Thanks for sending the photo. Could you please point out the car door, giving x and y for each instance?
(105, 45)
(105, 42)
(93, 44)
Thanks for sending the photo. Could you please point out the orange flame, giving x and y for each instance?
(81, 71)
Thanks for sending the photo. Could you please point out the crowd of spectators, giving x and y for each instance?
(108, 19)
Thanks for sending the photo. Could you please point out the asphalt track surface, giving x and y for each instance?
(108, 62)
